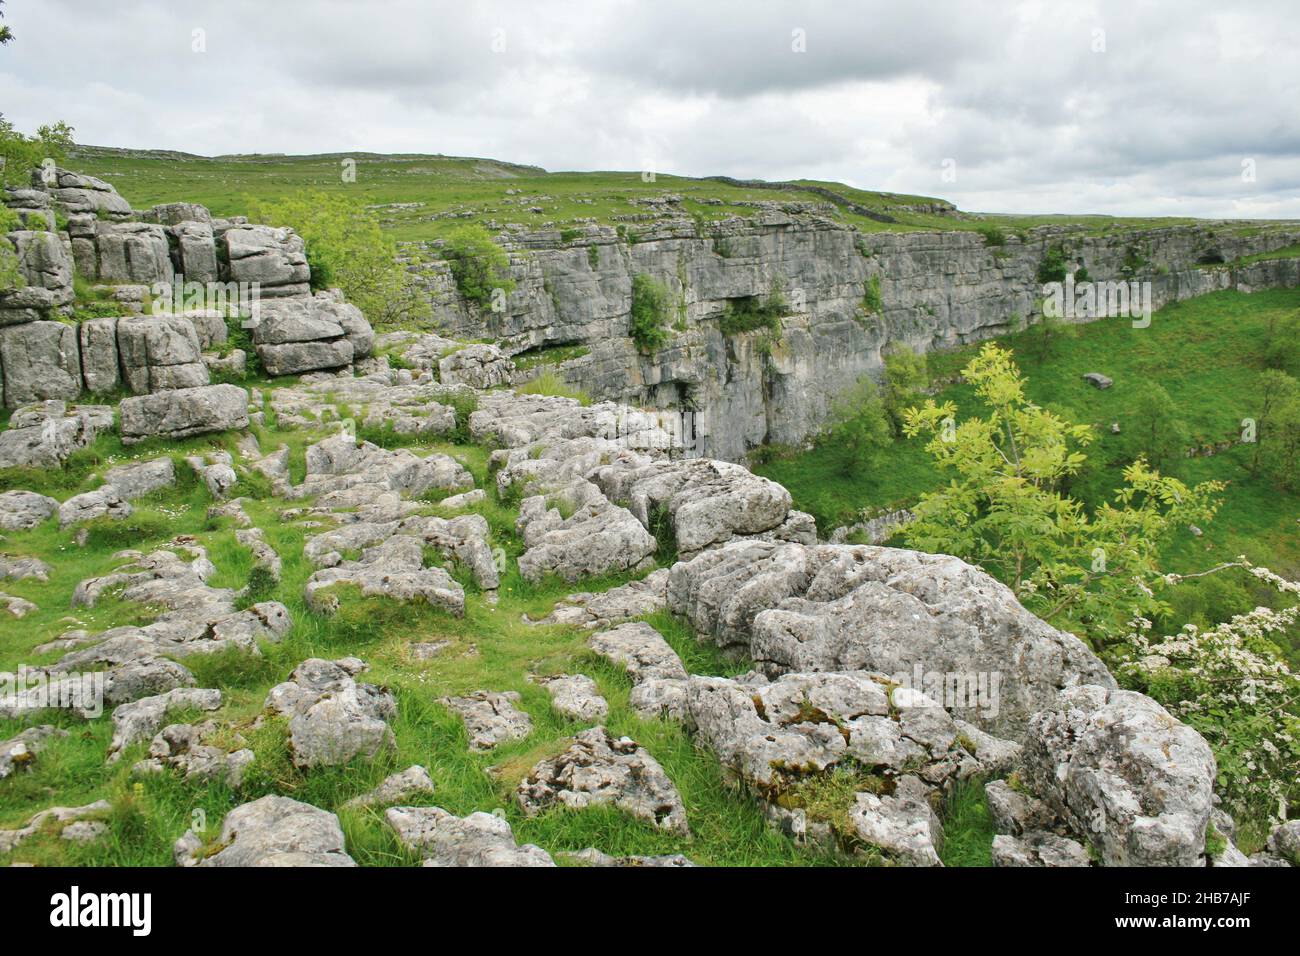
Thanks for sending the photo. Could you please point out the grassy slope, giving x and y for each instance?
(1205, 352)
(492, 649)
(476, 190)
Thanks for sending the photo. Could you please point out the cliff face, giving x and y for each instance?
(937, 289)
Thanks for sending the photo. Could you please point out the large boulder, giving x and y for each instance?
(40, 360)
(932, 622)
(183, 412)
(272, 831)
(596, 537)
(480, 839)
(160, 352)
(1125, 776)
(332, 718)
(309, 333)
(44, 434)
(275, 259)
(133, 252)
(20, 510)
(46, 270)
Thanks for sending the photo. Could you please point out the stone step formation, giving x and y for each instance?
(841, 640)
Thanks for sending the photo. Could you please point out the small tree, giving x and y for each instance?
(859, 425)
(1282, 345)
(1275, 389)
(1280, 443)
(906, 376)
(479, 265)
(347, 248)
(1005, 510)
(648, 325)
(20, 154)
(1161, 437)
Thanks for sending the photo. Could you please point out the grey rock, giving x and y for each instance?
(1284, 841)
(272, 831)
(593, 857)
(599, 768)
(479, 839)
(1014, 813)
(19, 752)
(1128, 778)
(641, 649)
(20, 569)
(184, 412)
(10, 840)
(44, 434)
(143, 718)
(903, 825)
(103, 502)
(607, 608)
(576, 697)
(397, 788)
(187, 748)
(100, 363)
(332, 718)
(41, 360)
(478, 366)
(1097, 380)
(138, 479)
(20, 510)
(491, 718)
(598, 537)
(1038, 848)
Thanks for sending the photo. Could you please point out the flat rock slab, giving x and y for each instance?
(183, 412)
(598, 769)
(576, 697)
(480, 839)
(397, 788)
(641, 649)
(491, 718)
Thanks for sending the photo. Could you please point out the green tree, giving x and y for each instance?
(648, 325)
(479, 266)
(906, 376)
(1282, 344)
(20, 154)
(347, 249)
(1159, 434)
(1280, 443)
(860, 427)
(1003, 507)
(1275, 389)
(5, 33)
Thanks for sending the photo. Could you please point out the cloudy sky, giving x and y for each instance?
(1162, 108)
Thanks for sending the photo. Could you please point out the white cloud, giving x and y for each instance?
(1036, 120)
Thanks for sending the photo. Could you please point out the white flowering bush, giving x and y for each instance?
(1232, 684)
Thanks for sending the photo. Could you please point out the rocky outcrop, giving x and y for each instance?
(332, 718)
(188, 270)
(480, 839)
(183, 412)
(44, 434)
(272, 831)
(930, 621)
(491, 718)
(599, 768)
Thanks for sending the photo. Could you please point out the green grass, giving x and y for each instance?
(1206, 352)
(452, 190)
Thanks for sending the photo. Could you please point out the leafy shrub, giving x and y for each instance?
(478, 264)
(1052, 268)
(993, 236)
(649, 322)
(347, 248)
(750, 313)
(872, 303)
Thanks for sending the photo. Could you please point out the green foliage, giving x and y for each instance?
(993, 236)
(478, 264)
(1052, 268)
(1161, 437)
(648, 325)
(11, 277)
(549, 355)
(1004, 508)
(751, 313)
(548, 383)
(21, 154)
(1045, 336)
(906, 376)
(1282, 348)
(872, 303)
(346, 248)
(859, 424)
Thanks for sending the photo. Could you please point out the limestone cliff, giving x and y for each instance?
(936, 289)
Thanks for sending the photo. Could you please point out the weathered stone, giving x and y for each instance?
(397, 788)
(332, 718)
(143, 718)
(272, 831)
(598, 537)
(1126, 776)
(99, 357)
(20, 510)
(491, 718)
(478, 366)
(1097, 380)
(19, 569)
(184, 412)
(10, 840)
(1038, 848)
(607, 608)
(593, 857)
(641, 649)
(103, 502)
(480, 839)
(187, 749)
(599, 768)
(160, 352)
(903, 826)
(43, 435)
(138, 479)
(18, 753)
(576, 697)
(40, 360)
